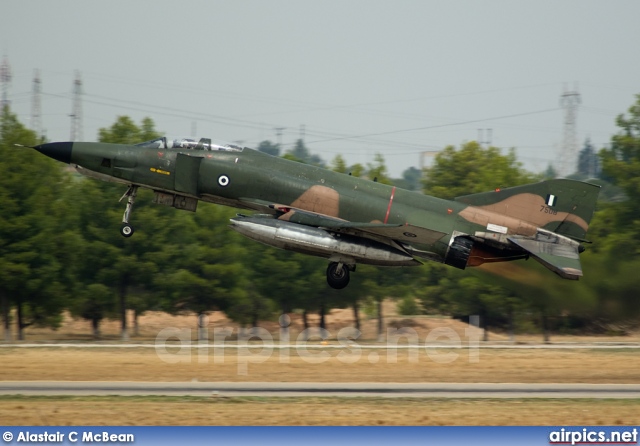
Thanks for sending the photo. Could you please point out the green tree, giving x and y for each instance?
(124, 264)
(32, 273)
(312, 292)
(269, 148)
(274, 276)
(148, 130)
(473, 169)
(301, 153)
(96, 302)
(588, 161)
(621, 163)
(338, 164)
(378, 170)
(125, 131)
(550, 172)
(475, 295)
(408, 306)
(205, 269)
(616, 226)
(385, 283)
(92, 215)
(357, 170)
(410, 179)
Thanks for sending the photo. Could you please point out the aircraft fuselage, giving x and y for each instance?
(346, 219)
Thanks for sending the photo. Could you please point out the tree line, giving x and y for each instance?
(60, 248)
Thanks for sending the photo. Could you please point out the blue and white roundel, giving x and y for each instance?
(223, 180)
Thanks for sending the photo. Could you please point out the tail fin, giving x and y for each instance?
(561, 206)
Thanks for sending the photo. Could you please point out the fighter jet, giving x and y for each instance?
(345, 219)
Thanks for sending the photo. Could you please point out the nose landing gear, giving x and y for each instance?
(126, 229)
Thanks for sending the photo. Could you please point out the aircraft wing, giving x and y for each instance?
(561, 258)
(405, 233)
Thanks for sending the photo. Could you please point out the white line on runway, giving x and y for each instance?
(306, 389)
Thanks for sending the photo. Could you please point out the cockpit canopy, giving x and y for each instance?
(188, 144)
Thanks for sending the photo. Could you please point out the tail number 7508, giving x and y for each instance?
(548, 210)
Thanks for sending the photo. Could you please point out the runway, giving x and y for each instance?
(234, 345)
(315, 389)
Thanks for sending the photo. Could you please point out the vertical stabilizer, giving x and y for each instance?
(561, 206)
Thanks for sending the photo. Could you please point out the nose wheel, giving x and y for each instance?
(337, 275)
(126, 229)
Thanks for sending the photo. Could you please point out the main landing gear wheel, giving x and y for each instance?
(337, 275)
(126, 230)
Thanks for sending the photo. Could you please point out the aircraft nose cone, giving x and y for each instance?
(60, 151)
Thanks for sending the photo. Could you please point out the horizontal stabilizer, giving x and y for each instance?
(561, 258)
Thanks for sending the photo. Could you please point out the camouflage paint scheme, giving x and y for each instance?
(546, 220)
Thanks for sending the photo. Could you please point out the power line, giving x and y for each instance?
(323, 136)
(278, 131)
(297, 103)
(481, 137)
(186, 114)
(415, 129)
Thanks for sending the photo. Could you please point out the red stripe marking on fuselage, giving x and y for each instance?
(393, 192)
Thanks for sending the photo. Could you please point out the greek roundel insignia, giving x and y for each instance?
(551, 200)
(223, 180)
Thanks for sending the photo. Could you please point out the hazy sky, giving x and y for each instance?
(363, 77)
